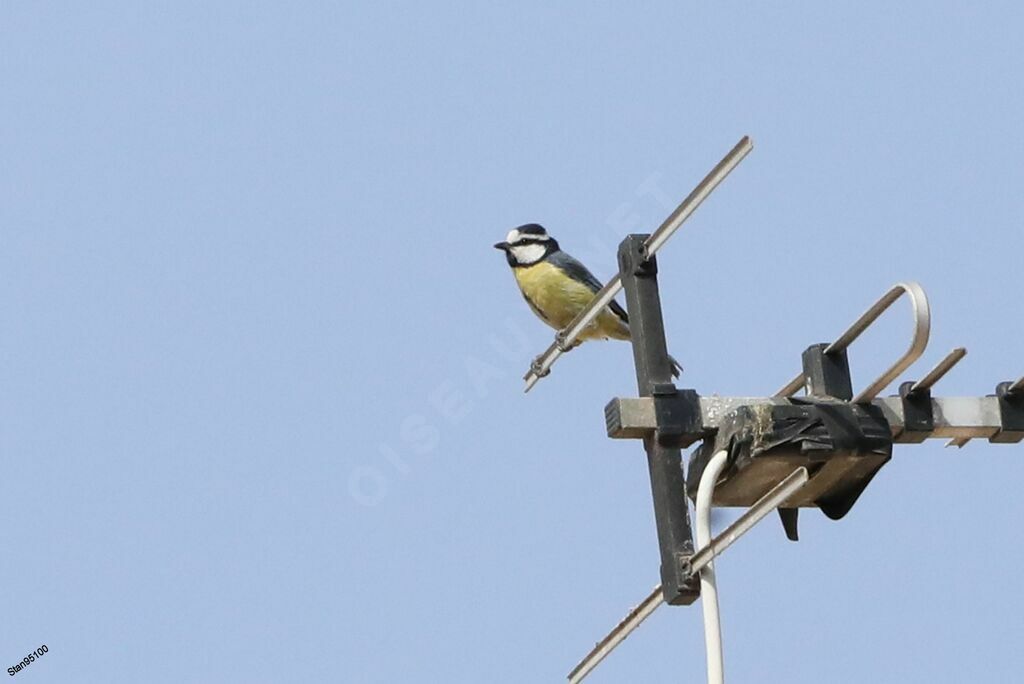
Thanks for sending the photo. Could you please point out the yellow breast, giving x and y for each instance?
(557, 299)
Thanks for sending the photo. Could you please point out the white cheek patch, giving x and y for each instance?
(528, 253)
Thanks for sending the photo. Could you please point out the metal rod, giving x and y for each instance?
(617, 635)
(920, 301)
(941, 368)
(918, 343)
(922, 329)
(699, 194)
(753, 515)
(565, 338)
(791, 387)
(775, 497)
(708, 586)
(1017, 386)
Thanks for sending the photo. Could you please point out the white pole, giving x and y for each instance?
(708, 590)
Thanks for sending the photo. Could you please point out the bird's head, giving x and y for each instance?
(527, 244)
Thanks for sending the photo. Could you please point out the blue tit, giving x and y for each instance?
(557, 287)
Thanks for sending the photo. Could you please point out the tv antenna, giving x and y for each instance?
(782, 452)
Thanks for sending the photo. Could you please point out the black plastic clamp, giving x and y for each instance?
(918, 419)
(677, 415)
(1011, 415)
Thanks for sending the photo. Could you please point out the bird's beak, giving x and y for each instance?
(503, 246)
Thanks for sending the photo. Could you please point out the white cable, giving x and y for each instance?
(708, 590)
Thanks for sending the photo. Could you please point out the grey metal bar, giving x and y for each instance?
(565, 338)
(941, 368)
(1018, 386)
(954, 417)
(753, 515)
(971, 417)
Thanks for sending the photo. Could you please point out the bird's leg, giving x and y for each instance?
(536, 366)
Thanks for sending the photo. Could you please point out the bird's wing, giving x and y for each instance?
(581, 273)
(618, 311)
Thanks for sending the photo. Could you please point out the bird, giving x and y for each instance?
(557, 287)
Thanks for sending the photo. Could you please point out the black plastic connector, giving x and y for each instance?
(1011, 415)
(827, 375)
(918, 420)
(677, 415)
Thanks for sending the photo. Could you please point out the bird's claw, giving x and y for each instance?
(561, 343)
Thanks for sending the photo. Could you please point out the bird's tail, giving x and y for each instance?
(677, 368)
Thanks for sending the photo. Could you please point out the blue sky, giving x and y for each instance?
(261, 416)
